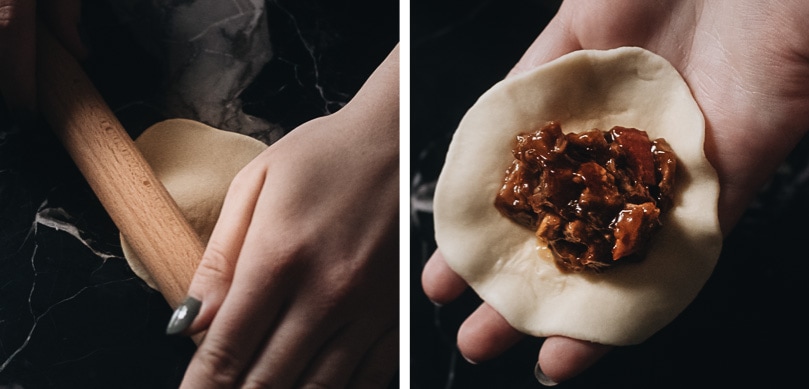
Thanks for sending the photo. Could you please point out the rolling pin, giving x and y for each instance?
(136, 201)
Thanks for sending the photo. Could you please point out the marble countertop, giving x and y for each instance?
(72, 314)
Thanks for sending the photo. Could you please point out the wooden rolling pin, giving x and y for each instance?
(137, 202)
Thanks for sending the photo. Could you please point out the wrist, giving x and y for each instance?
(371, 118)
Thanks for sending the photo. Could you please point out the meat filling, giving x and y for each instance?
(594, 197)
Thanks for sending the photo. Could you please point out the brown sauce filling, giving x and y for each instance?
(594, 197)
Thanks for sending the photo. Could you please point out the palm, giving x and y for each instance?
(748, 77)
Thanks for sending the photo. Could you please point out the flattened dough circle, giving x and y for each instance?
(196, 164)
(588, 89)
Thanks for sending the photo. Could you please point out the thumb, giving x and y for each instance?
(214, 274)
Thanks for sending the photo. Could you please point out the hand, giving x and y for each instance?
(18, 23)
(747, 64)
(299, 281)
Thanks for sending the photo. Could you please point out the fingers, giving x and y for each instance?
(339, 358)
(250, 311)
(240, 327)
(331, 322)
(562, 358)
(275, 323)
(17, 50)
(292, 345)
(485, 334)
(214, 274)
(332, 353)
(440, 283)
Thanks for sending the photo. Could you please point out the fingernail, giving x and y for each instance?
(183, 316)
(471, 362)
(542, 378)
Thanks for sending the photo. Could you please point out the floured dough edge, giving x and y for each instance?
(196, 163)
(505, 264)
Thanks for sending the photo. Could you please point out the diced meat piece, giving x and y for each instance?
(513, 198)
(539, 148)
(636, 148)
(588, 145)
(666, 163)
(550, 228)
(556, 189)
(600, 199)
(633, 227)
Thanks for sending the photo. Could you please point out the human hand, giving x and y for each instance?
(747, 64)
(18, 23)
(299, 282)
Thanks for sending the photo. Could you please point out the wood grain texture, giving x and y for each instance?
(122, 180)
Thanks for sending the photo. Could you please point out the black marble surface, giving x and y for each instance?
(745, 329)
(72, 314)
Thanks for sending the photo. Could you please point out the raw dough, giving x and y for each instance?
(504, 263)
(196, 164)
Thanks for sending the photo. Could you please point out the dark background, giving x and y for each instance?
(745, 329)
(69, 318)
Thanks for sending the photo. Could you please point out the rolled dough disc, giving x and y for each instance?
(504, 263)
(196, 164)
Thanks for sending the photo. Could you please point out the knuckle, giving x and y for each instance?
(220, 364)
(215, 264)
(290, 259)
